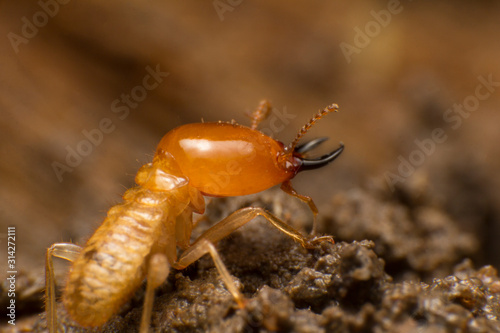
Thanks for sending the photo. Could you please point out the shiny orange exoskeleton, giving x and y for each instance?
(139, 238)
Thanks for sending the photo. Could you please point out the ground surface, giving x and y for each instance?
(379, 285)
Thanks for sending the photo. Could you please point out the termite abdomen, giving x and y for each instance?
(112, 264)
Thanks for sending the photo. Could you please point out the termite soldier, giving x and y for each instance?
(139, 237)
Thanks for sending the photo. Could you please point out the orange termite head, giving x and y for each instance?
(227, 159)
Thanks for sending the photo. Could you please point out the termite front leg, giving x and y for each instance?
(66, 251)
(287, 188)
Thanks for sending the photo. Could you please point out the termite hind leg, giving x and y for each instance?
(66, 251)
(287, 188)
(201, 247)
(158, 269)
(260, 113)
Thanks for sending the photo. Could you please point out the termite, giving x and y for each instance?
(139, 238)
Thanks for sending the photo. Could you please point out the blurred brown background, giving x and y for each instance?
(64, 65)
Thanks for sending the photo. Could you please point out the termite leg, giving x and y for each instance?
(228, 225)
(287, 188)
(260, 113)
(158, 269)
(66, 251)
(201, 247)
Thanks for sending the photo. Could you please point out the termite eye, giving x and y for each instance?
(311, 164)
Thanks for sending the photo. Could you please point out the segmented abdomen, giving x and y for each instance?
(112, 264)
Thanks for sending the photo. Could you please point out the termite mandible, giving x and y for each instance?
(139, 238)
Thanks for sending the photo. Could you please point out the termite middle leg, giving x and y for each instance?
(66, 251)
(228, 225)
(201, 247)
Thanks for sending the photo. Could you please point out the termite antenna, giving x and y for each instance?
(260, 113)
(306, 127)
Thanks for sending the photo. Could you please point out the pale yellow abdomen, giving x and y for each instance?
(112, 264)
